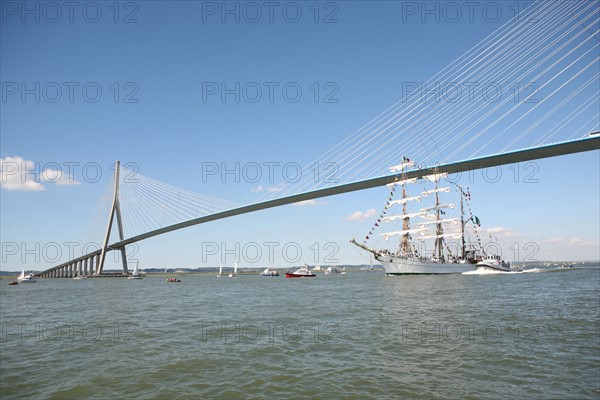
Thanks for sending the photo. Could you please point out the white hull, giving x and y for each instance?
(135, 274)
(495, 264)
(493, 269)
(396, 265)
(26, 278)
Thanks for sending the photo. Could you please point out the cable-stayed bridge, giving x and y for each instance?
(527, 91)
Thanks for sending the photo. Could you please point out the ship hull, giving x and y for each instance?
(395, 265)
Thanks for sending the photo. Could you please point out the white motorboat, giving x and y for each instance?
(333, 270)
(269, 272)
(29, 278)
(496, 264)
(302, 272)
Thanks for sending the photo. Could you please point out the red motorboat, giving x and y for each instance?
(302, 272)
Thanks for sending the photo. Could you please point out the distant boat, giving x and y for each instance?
(269, 272)
(302, 272)
(136, 273)
(26, 278)
(333, 270)
(13, 283)
(566, 266)
(220, 271)
(173, 280)
(79, 276)
(234, 274)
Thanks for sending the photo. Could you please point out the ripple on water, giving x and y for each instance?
(361, 335)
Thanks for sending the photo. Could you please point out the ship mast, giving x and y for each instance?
(405, 225)
(462, 223)
(439, 231)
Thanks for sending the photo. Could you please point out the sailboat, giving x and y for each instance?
(432, 226)
(29, 278)
(220, 271)
(136, 273)
(234, 274)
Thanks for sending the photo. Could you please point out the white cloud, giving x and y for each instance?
(17, 173)
(20, 174)
(271, 189)
(58, 177)
(571, 241)
(308, 203)
(501, 231)
(361, 216)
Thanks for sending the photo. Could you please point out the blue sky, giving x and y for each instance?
(155, 67)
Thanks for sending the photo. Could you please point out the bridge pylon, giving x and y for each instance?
(115, 209)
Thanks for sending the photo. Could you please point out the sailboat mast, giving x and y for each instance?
(404, 225)
(438, 241)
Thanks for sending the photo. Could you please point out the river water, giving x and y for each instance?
(358, 335)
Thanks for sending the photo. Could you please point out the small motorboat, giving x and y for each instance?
(333, 270)
(173, 280)
(495, 264)
(269, 272)
(13, 283)
(566, 266)
(302, 272)
(29, 278)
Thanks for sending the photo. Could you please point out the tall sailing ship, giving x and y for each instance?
(431, 242)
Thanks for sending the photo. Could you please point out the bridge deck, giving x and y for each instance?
(576, 146)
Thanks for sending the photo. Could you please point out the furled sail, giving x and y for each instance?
(401, 216)
(441, 221)
(428, 192)
(444, 235)
(436, 177)
(406, 199)
(402, 182)
(387, 235)
(438, 207)
(402, 166)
